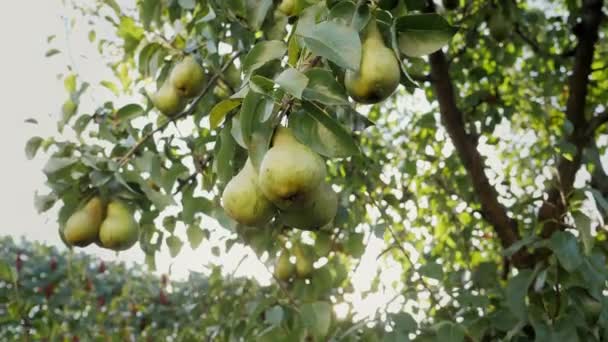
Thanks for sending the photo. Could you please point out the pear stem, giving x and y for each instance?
(123, 161)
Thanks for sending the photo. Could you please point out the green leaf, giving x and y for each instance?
(335, 140)
(225, 154)
(256, 129)
(262, 53)
(195, 236)
(337, 42)
(129, 112)
(600, 200)
(516, 292)
(566, 249)
(6, 273)
(422, 34)
(220, 110)
(354, 245)
(44, 202)
(257, 11)
(323, 87)
(51, 52)
(583, 225)
(69, 83)
(81, 123)
(317, 318)
(32, 146)
(292, 81)
(174, 244)
(432, 270)
(450, 332)
(111, 86)
(274, 315)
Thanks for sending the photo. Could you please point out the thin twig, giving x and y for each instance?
(123, 161)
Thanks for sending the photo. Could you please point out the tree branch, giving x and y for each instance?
(555, 205)
(466, 146)
(123, 161)
(596, 122)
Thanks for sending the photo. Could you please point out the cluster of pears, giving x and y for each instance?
(290, 183)
(284, 270)
(379, 71)
(185, 81)
(112, 227)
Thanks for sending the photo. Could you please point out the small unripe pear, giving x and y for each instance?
(119, 231)
(244, 201)
(379, 71)
(319, 212)
(284, 269)
(290, 171)
(304, 261)
(188, 77)
(82, 228)
(168, 101)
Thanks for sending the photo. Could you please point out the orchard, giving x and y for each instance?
(466, 138)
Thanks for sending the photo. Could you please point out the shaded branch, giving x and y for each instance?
(596, 122)
(537, 49)
(466, 146)
(555, 206)
(188, 111)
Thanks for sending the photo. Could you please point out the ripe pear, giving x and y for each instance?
(304, 261)
(167, 100)
(379, 72)
(500, 26)
(284, 269)
(244, 201)
(319, 212)
(119, 231)
(188, 77)
(290, 171)
(82, 228)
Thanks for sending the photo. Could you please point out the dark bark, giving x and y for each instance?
(466, 146)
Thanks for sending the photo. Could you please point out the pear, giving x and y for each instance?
(319, 212)
(188, 77)
(379, 72)
(284, 269)
(290, 171)
(119, 231)
(244, 201)
(82, 228)
(304, 261)
(500, 26)
(167, 100)
(288, 7)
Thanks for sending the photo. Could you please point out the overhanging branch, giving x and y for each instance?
(555, 205)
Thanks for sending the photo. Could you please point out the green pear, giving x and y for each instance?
(288, 7)
(290, 171)
(500, 26)
(304, 261)
(168, 101)
(379, 72)
(188, 77)
(284, 269)
(244, 201)
(119, 231)
(82, 228)
(316, 214)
